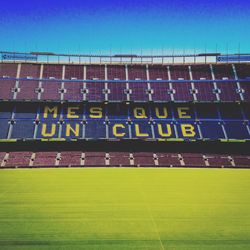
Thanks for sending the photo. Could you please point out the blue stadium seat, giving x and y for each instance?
(236, 130)
(23, 129)
(211, 130)
(95, 129)
(4, 128)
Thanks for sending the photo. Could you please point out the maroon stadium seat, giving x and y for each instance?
(45, 159)
(73, 90)
(70, 158)
(117, 90)
(218, 161)
(144, 159)
(119, 159)
(241, 160)
(160, 89)
(94, 159)
(168, 159)
(204, 89)
(51, 90)
(28, 89)
(182, 90)
(95, 89)
(7, 87)
(139, 89)
(18, 159)
(193, 160)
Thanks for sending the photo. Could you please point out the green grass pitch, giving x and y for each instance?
(120, 208)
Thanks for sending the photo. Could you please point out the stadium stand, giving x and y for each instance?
(140, 91)
(168, 159)
(124, 101)
(119, 159)
(44, 159)
(135, 121)
(70, 158)
(117, 91)
(7, 87)
(144, 159)
(241, 161)
(203, 90)
(20, 159)
(94, 159)
(193, 160)
(219, 160)
(72, 91)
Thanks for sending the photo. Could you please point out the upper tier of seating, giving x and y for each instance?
(27, 88)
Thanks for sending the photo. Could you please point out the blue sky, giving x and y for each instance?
(125, 26)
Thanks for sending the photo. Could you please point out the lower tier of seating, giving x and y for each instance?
(28, 159)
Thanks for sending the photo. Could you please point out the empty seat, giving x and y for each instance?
(243, 72)
(94, 159)
(70, 158)
(144, 159)
(246, 90)
(181, 90)
(159, 89)
(138, 89)
(228, 91)
(95, 90)
(45, 159)
(18, 159)
(241, 160)
(168, 159)
(117, 89)
(119, 159)
(73, 90)
(7, 87)
(51, 89)
(218, 161)
(28, 89)
(158, 71)
(4, 128)
(223, 70)
(193, 160)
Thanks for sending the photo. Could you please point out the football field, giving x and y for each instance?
(119, 208)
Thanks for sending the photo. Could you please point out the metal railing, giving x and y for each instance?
(49, 57)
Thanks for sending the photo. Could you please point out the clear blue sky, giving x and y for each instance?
(123, 26)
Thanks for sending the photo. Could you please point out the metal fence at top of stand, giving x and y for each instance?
(49, 57)
(52, 79)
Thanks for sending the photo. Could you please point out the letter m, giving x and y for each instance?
(53, 110)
